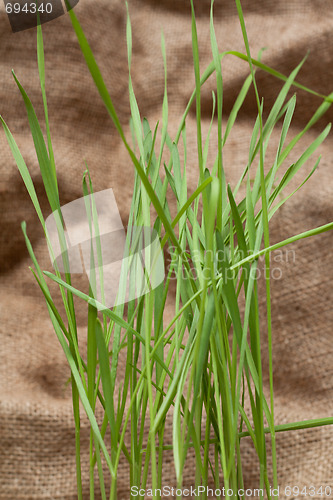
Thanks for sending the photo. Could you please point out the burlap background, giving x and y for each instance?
(36, 431)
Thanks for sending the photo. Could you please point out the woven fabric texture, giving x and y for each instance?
(37, 450)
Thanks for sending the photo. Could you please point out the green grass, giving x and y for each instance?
(197, 370)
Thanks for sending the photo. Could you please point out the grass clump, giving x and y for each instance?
(200, 368)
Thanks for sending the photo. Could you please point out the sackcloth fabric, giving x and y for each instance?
(37, 453)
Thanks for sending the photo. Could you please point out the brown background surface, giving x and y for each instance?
(36, 431)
